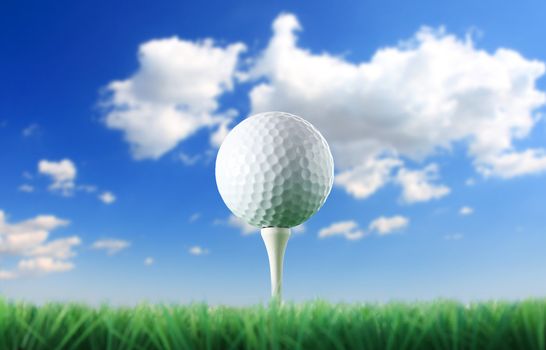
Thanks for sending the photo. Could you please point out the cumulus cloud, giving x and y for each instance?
(197, 250)
(466, 210)
(364, 180)
(386, 225)
(29, 241)
(7, 275)
(149, 261)
(418, 186)
(111, 246)
(241, 225)
(298, 229)
(348, 229)
(62, 174)
(410, 101)
(189, 159)
(173, 94)
(220, 134)
(107, 197)
(26, 188)
(44, 264)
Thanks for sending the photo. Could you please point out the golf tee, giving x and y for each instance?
(275, 239)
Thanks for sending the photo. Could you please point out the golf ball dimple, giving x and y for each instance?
(274, 169)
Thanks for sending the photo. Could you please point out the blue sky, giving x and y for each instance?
(107, 155)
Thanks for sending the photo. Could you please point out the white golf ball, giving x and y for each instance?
(274, 169)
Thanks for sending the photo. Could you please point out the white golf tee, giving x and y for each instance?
(275, 239)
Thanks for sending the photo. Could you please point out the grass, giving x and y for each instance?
(313, 325)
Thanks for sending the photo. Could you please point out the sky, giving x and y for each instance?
(111, 115)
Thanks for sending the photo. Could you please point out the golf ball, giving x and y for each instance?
(274, 169)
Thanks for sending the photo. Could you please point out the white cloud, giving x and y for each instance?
(466, 210)
(62, 173)
(386, 225)
(59, 248)
(241, 225)
(364, 180)
(194, 217)
(197, 250)
(173, 94)
(111, 246)
(454, 237)
(31, 130)
(188, 159)
(23, 237)
(409, 101)
(417, 185)
(298, 229)
(511, 163)
(149, 261)
(28, 241)
(7, 275)
(348, 229)
(26, 188)
(220, 134)
(107, 197)
(44, 264)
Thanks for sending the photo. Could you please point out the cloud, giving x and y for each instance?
(59, 249)
(107, 197)
(410, 101)
(29, 242)
(220, 134)
(247, 229)
(454, 237)
(189, 159)
(510, 164)
(364, 180)
(26, 188)
(417, 185)
(24, 237)
(348, 229)
(62, 173)
(7, 275)
(298, 229)
(44, 264)
(31, 130)
(197, 250)
(149, 261)
(386, 225)
(241, 225)
(111, 246)
(194, 217)
(466, 210)
(173, 93)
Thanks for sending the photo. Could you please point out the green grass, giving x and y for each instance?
(314, 325)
